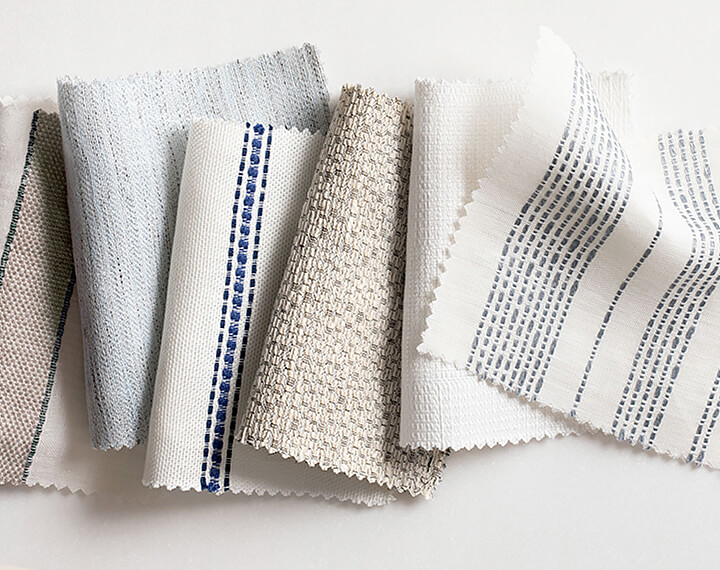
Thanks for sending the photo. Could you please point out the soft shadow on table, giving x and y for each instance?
(461, 466)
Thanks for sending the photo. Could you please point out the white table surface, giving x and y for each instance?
(574, 502)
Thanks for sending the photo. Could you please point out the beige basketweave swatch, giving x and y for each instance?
(327, 391)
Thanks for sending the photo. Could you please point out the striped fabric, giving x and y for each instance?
(585, 279)
(242, 192)
(457, 129)
(44, 436)
(36, 283)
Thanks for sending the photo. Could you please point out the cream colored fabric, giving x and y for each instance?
(458, 129)
(584, 273)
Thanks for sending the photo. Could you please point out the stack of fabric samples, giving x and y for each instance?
(210, 281)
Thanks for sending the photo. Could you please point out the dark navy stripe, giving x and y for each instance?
(248, 311)
(219, 435)
(228, 273)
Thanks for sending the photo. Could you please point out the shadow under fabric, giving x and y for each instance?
(124, 142)
(327, 390)
(586, 279)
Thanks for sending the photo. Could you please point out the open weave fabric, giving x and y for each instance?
(125, 142)
(458, 128)
(327, 391)
(242, 191)
(584, 272)
(45, 438)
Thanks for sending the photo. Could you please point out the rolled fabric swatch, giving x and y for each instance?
(327, 390)
(125, 143)
(458, 128)
(44, 436)
(242, 191)
(585, 279)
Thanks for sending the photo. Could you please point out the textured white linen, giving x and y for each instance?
(584, 272)
(242, 191)
(458, 128)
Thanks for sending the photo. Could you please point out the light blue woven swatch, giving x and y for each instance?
(124, 142)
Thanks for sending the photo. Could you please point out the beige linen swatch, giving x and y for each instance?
(327, 391)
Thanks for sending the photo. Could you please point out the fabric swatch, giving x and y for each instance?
(458, 128)
(242, 191)
(327, 390)
(585, 280)
(125, 144)
(44, 431)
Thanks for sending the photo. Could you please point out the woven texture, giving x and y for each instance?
(45, 439)
(327, 391)
(458, 128)
(35, 285)
(125, 143)
(242, 192)
(587, 280)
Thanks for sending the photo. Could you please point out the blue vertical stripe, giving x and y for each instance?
(248, 310)
(231, 252)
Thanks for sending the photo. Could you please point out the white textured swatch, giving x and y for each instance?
(584, 273)
(458, 129)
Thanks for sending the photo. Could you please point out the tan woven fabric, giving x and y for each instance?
(36, 279)
(327, 390)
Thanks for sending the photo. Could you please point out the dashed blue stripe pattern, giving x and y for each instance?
(255, 160)
(611, 309)
(669, 331)
(705, 428)
(244, 241)
(554, 239)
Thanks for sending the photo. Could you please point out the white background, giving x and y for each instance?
(587, 501)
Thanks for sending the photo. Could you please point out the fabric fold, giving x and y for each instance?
(458, 128)
(242, 191)
(45, 439)
(327, 390)
(124, 142)
(585, 280)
